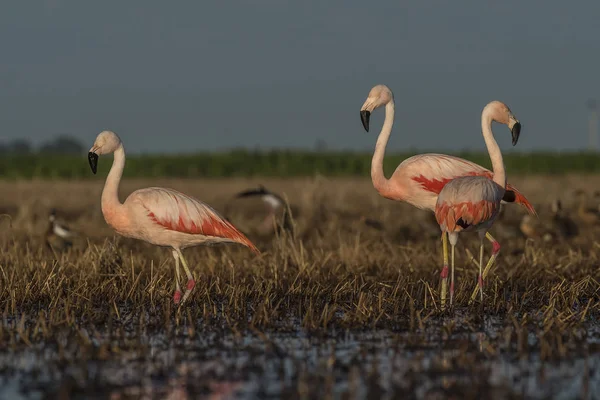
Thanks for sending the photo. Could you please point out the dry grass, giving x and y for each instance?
(338, 271)
(337, 274)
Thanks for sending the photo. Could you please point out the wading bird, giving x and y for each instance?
(58, 235)
(419, 179)
(275, 203)
(472, 203)
(533, 228)
(163, 217)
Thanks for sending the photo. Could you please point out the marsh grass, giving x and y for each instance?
(107, 293)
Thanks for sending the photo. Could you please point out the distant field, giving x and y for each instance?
(242, 163)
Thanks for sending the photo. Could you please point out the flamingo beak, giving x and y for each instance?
(365, 116)
(93, 159)
(515, 131)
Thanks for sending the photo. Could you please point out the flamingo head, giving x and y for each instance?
(380, 95)
(106, 142)
(500, 113)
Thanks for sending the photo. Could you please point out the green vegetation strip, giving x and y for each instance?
(241, 163)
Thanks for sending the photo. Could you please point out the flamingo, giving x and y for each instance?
(472, 203)
(419, 179)
(161, 216)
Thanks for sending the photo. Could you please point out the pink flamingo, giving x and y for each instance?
(472, 203)
(418, 180)
(160, 216)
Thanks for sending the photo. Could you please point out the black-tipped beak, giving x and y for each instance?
(515, 131)
(93, 159)
(365, 116)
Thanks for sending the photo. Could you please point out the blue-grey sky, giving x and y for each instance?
(192, 75)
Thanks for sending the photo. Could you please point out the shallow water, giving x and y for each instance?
(183, 363)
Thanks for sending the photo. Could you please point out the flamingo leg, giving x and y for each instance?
(480, 277)
(452, 278)
(177, 295)
(444, 273)
(486, 270)
(191, 282)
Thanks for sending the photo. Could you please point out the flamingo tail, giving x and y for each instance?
(512, 195)
(222, 228)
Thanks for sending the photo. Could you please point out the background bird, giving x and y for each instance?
(557, 226)
(587, 215)
(472, 203)
(160, 216)
(275, 204)
(419, 179)
(534, 228)
(58, 235)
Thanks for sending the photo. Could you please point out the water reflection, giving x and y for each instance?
(444, 360)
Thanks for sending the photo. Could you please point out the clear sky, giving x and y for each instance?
(182, 76)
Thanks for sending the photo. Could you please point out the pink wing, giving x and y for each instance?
(178, 212)
(434, 171)
(456, 217)
(467, 201)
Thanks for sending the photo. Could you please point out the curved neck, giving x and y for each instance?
(379, 180)
(493, 150)
(110, 193)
